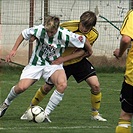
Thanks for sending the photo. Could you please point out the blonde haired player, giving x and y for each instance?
(51, 41)
(79, 67)
(126, 96)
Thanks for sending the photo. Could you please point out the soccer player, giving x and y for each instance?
(126, 95)
(80, 68)
(51, 41)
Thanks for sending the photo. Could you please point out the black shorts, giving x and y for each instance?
(126, 97)
(80, 71)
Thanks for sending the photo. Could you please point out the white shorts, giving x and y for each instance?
(36, 72)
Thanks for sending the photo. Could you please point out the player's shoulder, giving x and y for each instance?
(70, 23)
(130, 12)
(92, 35)
(63, 30)
(41, 26)
(95, 30)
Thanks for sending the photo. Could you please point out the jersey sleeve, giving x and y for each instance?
(75, 40)
(27, 33)
(36, 31)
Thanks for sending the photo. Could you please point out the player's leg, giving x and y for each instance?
(96, 97)
(14, 92)
(124, 125)
(41, 93)
(27, 78)
(126, 99)
(60, 82)
(44, 90)
(84, 70)
(38, 97)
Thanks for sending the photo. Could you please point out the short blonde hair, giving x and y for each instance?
(52, 22)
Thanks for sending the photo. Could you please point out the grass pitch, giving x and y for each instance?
(73, 113)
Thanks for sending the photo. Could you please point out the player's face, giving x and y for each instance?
(51, 33)
(83, 29)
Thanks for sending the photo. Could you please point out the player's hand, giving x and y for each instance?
(57, 61)
(10, 55)
(116, 53)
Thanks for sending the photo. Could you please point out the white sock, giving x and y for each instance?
(55, 99)
(10, 96)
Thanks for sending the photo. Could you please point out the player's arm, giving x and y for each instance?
(88, 47)
(124, 44)
(16, 45)
(80, 53)
(75, 54)
(79, 41)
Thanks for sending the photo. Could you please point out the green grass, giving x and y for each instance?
(73, 113)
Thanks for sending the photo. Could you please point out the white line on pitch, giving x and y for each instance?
(75, 127)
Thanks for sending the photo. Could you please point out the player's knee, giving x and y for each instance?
(61, 86)
(95, 89)
(20, 88)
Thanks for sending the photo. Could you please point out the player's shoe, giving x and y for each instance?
(24, 116)
(3, 108)
(98, 117)
(47, 119)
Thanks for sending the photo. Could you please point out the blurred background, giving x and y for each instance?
(16, 15)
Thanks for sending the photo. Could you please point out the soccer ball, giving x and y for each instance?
(36, 114)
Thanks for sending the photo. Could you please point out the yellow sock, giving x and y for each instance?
(123, 127)
(95, 101)
(39, 96)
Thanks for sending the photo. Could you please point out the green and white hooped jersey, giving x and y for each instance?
(48, 49)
